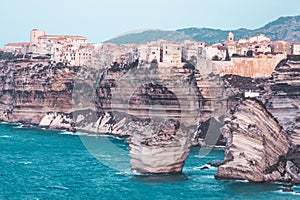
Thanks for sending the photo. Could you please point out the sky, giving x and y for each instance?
(100, 20)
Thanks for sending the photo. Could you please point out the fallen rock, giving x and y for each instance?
(215, 163)
(57, 121)
(293, 171)
(204, 168)
(255, 142)
(287, 190)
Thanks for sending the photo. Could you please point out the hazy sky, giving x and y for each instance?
(99, 20)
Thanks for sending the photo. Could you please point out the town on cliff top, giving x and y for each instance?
(183, 94)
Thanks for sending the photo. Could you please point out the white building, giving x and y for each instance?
(258, 38)
(296, 48)
(170, 52)
(20, 47)
(214, 51)
(192, 49)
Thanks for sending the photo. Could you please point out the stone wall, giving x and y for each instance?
(250, 67)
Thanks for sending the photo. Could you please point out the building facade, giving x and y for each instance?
(19, 47)
(170, 52)
(296, 48)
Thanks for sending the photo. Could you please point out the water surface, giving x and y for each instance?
(48, 164)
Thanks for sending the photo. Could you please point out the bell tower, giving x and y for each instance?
(34, 35)
(230, 37)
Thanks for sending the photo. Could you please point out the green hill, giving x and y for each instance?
(284, 28)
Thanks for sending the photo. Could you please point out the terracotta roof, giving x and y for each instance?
(229, 43)
(61, 37)
(222, 48)
(169, 42)
(17, 44)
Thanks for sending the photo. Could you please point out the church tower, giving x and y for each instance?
(230, 37)
(34, 35)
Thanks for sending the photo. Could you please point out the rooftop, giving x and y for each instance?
(17, 44)
(62, 37)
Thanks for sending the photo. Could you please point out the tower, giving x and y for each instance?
(34, 35)
(230, 37)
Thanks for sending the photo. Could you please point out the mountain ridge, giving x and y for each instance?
(285, 28)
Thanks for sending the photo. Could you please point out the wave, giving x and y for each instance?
(58, 187)
(5, 136)
(11, 123)
(288, 192)
(26, 163)
(128, 172)
(64, 132)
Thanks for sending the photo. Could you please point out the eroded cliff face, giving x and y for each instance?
(255, 144)
(163, 109)
(30, 90)
(263, 134)
(282, 99)
(159, 108)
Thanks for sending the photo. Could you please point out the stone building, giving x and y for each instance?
(280, 47)
(170, 52)
(192, 50)
(213, 52)
(19, 47)
(62, 48)
(34, 35)
(258, 38)
(296, 48)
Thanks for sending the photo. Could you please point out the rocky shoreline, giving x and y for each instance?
(179, 107)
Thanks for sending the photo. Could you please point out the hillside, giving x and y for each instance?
(284, 28)
(149, 35)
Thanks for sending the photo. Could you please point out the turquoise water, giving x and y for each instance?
(47, 164)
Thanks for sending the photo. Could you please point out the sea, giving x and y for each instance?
(51, 164)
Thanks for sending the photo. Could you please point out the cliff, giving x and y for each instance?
(159, 108)
(282, 98)
(255, 144)
(30, 90)
(164, 109)
(263, 135)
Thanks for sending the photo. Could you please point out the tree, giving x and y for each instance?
(154, 64)
(189, 65)
(250, 53)
(227, 58)
(216, 58)
(193, 60)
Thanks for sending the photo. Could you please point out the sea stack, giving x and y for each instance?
(161, 150)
